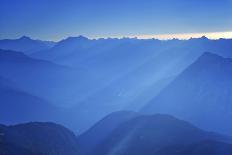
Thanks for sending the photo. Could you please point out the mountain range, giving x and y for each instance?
(131, 72)
(45, 79)
(37, 139)
(126, 132)
(201, 94)
(119, 133)
(77, 81)
(18, 106)
(25, 44)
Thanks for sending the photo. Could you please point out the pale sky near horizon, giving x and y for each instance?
(162, 19)
(210, 35)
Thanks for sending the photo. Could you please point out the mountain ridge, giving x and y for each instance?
(206, 83)
(39, 138)
(25, 44)
(147, 134)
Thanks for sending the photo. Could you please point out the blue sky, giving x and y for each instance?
(56, 19)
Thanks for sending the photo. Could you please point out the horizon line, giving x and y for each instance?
(179, 36)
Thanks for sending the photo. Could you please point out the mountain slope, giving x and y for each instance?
(25, 45)
(108, 74)
(149, 134)
(18, 106)
(131, 75)
(38, 138)
(201, 94)
(58, 84)
(101, 130)
(63, 48)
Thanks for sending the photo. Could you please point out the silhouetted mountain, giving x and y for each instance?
(18, 106)
(70, 44)
(37, 139)
(88, 52)
(101, 130)
(108, 74)
(92, 78)
(10, 149)
(131, 72)
(58, 84)
(25, 45)
(73, 50)
(40, 82)
(149, 134)
(201, 94)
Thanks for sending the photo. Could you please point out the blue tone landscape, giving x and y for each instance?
(136, 82)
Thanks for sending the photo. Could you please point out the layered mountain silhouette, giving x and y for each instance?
(90, 139)
(25, 44)
(131, 71)
(118, 133)
(156, 134)
(78, 81)
(37, 139)
(41, 90)
(200, 94)
(70, 45)
(57, 84)
(18, 106)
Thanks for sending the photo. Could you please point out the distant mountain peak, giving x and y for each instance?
(204, 37)
(71, 42)
(25, 38)
(208, 56)
(80, 37)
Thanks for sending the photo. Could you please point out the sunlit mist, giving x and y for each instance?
(210, 35)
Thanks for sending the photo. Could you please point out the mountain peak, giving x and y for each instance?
(72, 42)
(208, 56)
(204, 37)
(25, 38)
(82, 38)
